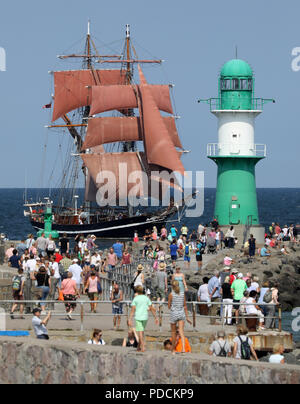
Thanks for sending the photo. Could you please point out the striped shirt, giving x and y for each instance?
(177, 308)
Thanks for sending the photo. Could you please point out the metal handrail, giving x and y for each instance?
(213, 149)
(257, 104)
(191, 305)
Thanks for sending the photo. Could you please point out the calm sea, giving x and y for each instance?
(279, 205)
(275, 205)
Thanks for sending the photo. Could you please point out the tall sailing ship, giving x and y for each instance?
(116, 126)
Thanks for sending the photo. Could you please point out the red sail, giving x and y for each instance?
(90, 186)
(114, 97)
(109, 130)
(159, 146)
(135, 162)
(71, 90)
(111, 162)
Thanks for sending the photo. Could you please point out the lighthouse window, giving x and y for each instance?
(244, 84)
(235, 84)
(225, 84)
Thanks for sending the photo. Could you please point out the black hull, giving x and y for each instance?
(117, 229)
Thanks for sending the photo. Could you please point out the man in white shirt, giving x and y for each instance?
(203, 296)
(200, 230)
(31, 266)
(253, 309)
(39, 325)
(55, 279)
(76, 271)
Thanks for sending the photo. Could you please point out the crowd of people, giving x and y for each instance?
(53, 269)
(275, 240)
(230, 296)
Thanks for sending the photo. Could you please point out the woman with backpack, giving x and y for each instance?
(243, 345)
(18, 283)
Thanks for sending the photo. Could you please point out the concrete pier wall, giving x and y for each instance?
(47, 362)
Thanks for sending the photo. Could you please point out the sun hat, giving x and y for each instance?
(240, 276)
(75, 260)
(162, 265)
(140, 267)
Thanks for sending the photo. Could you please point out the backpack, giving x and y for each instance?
(16, 285)
(245, 349)
(223, 353)
(61, 269)
(268, 297)
(148, 283)
(187, 250)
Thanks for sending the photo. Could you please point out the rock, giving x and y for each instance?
(117, 342)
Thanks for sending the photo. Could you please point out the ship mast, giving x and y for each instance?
(128, 146)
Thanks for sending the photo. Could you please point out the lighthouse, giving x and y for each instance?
(236, 153)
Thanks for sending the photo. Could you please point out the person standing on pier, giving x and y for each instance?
(112, 261)
(116, 298)
(179, 314)
(215, 296)
(18, 283)
(140, 308)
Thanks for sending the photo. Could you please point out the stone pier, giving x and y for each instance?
(58, 362)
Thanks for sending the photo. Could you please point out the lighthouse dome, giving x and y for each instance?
(236, 68)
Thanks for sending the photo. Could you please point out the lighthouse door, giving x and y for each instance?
(234, 146)
(234, 213)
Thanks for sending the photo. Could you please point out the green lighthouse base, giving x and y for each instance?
(236, 199)
(48, 220)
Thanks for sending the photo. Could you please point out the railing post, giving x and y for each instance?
(160, 318)
(194, 317)
(223, 305)
(81, 316)
(280, 319)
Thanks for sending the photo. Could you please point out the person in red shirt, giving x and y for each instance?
(58, 257)
(277, 229)
(233, 276)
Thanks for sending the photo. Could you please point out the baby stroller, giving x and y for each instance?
(211, 245)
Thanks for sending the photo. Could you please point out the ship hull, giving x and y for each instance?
(117, 229)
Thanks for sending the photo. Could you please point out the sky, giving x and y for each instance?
(194, 37)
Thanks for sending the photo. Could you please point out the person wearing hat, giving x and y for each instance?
(238, 288)
(220, 347)
(224, 274)
(139, 279)
(39, 325)
(162, 282)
